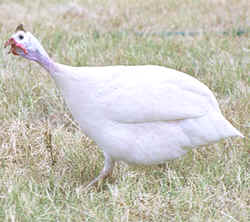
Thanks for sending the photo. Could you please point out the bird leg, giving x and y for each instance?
(106, 171)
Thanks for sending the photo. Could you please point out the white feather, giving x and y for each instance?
(142, 114)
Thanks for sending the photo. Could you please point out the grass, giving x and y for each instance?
(37, 184)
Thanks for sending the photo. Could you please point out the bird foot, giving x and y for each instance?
(106, 171)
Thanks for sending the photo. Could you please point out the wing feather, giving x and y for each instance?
(169, 95)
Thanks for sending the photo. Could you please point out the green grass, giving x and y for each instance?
(37, 184)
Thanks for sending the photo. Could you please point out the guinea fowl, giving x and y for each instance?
(136, 114)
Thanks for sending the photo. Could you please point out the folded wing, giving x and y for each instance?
(161, 98)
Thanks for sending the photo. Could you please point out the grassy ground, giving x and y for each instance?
(43, 180)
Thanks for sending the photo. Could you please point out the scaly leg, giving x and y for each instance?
(106, 171)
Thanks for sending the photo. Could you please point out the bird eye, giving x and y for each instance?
(20, 37)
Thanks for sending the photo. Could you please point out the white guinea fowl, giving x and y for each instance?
(136, 114)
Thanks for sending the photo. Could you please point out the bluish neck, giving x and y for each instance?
(40, 56)
(46, 62)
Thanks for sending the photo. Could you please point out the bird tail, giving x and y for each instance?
(228, 130)
(234, 132)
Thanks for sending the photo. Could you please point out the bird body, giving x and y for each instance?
(136, 114)
(142, 114)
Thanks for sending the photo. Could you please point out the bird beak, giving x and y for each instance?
(14, 45)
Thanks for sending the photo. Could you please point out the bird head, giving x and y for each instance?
(24, 44)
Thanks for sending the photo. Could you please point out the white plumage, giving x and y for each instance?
(136, 114)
